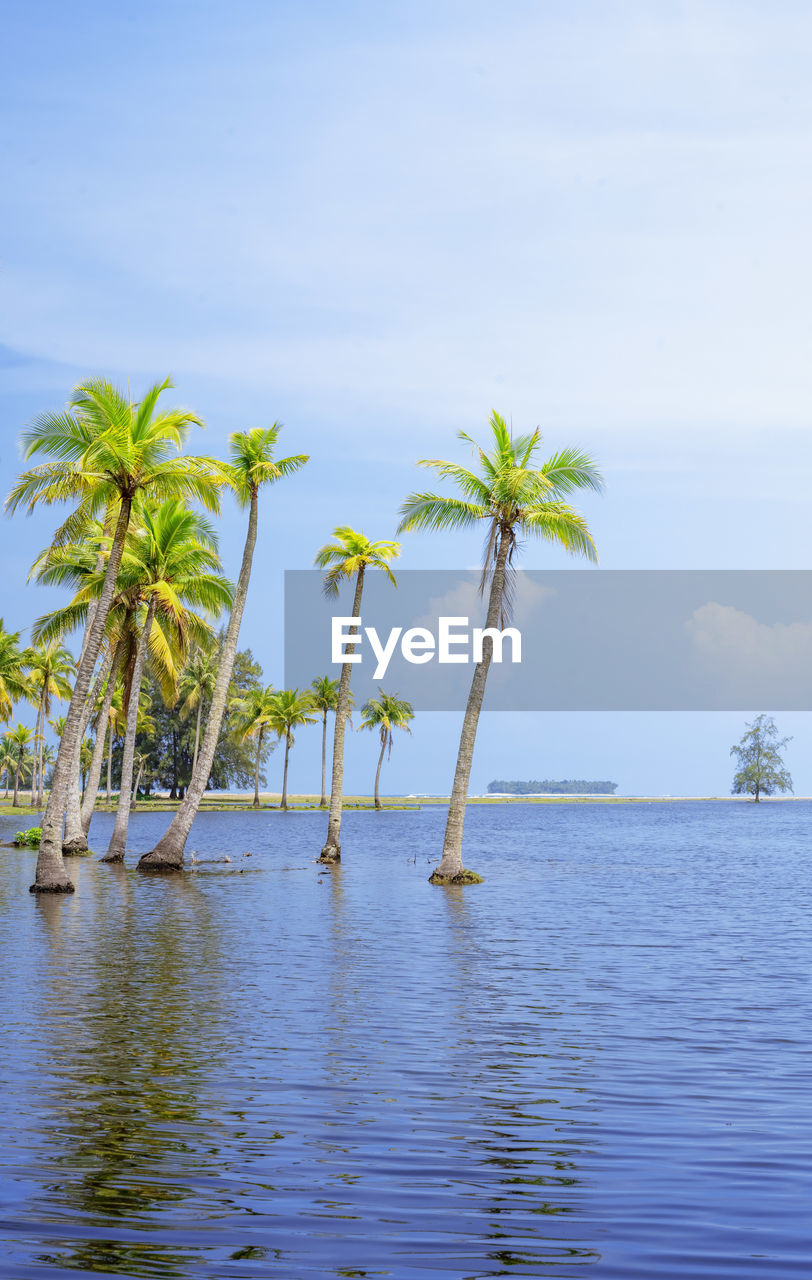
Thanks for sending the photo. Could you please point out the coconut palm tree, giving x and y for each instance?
(50, 667)
(252, 718)
(85, 761)
(289, 710)
(20, 739)
(13, 681)
(103, 452)
(325, 698)
(197, 686)
(8, 763)
(251, 466)
(385, 713)
(347, 559)
(511, 495)
(172, 562)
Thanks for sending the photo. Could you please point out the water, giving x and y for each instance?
(596, 1063)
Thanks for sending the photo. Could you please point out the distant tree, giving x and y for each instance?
(761, 770)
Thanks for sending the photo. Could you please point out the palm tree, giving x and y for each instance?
(104, 451)
(325, 698)
(386, 713)
(13, 681)
(252, 465)
(8, 763)
(252, 718)
(50, 667)
(512, 495)
(47, 756)
(348, 557)
(85, 761)
(172, 562)
(20, 738)
(197, 686)
(289, 709)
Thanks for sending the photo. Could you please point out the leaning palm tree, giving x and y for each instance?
(197, 686)
(289, 710)
(511, 495)
(251, 466)
(346, 559)
(252, 717)
(103, 452)
(50, 667)
(13, 681)
(172, 563)
(20, 739)
(385, 713)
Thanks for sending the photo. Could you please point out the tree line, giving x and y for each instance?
(138, 555)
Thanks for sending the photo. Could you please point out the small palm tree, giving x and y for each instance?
(324, 692)
(103, 452)
(197, 686)
(385, 713)
(512, 494)
(251, 467)
(13, 681)
(50, 668)
(289, 710)
(347, 559)
(85, 761)
(8, 763)
(20, 739)
(252, 719)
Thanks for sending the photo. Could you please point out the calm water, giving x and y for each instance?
(597, 1063)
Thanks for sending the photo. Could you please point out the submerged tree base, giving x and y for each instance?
(160, 863)
(331, 853)
(112, 857)
(460, 877)
(76, 851)
(53, 886)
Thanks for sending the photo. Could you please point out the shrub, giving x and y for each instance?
(31, 838)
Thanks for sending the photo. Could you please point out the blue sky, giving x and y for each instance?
(377, 222)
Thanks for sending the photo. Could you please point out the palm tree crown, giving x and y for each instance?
(386, 713)
(13, 681)
(352, 553)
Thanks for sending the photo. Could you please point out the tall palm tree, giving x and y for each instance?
(50, 667)
(251, 466)
(13, 680)
(325, 698)
(103, 452)
(172, 562)
(346, 559)
(197, 686)
(20, 739)
(252, 717)
(385, 713)
(8, 762)
(289, 710)
(511, 495)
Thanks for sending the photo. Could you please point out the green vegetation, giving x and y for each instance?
(761, 769)
(565, 787)
(30, 838)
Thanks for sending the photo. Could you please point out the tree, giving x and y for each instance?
(289, 709)
(761, 769)
(104, 450)
(197, 686)
(252, 714)
(8, 763)
(325, 698)
(172, 563)
(511, 495)
(13, 681)
(50, 667)
(346, 559)
(385, 713)
(251, 466)
(19, 739)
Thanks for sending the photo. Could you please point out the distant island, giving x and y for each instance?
(565, 787)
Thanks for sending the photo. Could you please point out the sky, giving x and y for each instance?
(376, 223)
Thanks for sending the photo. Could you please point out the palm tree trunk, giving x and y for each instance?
(323, 800)
(332, 849)
(134, 801)
(39, 748)
(97, 759)
(168, 852)
(283, 804)
(74, 841)
(14, 803)
(197, 733)
(51, 876)
(256, 768)
(378, 774)
(118, 840)
(451, 869)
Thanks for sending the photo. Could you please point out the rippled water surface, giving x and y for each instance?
(596, 1063)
